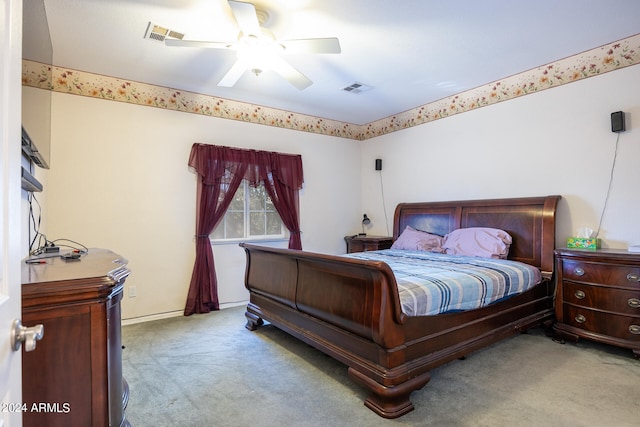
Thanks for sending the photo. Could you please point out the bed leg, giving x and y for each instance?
(390, 402)
(253, 321)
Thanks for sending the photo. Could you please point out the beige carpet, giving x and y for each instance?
(208, 370)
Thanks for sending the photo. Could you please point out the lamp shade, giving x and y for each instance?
(365, 221)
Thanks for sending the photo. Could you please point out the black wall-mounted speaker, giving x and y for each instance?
(378, 164)
(617, 122)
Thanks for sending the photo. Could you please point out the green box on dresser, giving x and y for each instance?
(598, 296)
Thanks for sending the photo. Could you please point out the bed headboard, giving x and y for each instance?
(529, 220)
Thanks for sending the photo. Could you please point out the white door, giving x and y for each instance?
(10, 226)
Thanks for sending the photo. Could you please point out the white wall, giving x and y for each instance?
(119, 176)
(119, 180)
(557, 141)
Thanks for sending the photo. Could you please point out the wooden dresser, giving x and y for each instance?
(365, 243)
(74, 375)
(598, 296)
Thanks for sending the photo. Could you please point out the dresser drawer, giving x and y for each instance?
(606, 274)
(620, 301)
(623, 327)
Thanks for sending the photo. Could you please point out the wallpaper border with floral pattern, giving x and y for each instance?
(591, 63)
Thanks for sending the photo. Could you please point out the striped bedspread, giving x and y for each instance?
(432, 283)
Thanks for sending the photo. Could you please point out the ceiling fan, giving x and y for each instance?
(258, 50)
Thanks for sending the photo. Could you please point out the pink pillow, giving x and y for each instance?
(416, 240)
(478, 241)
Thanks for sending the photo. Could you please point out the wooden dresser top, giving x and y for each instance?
(95, 263)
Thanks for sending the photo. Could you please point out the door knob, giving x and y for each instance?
(22, 334)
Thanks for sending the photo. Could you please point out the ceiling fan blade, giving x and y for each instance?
(198, 43)
(320, 45)
(246, 16)
(294, 76)
(233, 75)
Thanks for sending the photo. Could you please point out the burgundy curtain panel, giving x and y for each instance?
(220, 172)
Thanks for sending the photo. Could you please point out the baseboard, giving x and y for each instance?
(169, 314)
(152, 317)
(233, 304)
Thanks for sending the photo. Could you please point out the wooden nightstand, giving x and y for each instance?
(359, 243)
(598, 296)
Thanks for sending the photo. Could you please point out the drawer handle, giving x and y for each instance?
(633, 277)
(634, 302)
(580, 318)
(581, 295)
(634, 329)
(580, 272)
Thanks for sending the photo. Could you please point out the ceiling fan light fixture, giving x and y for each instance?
(258, 53)
(257, 49)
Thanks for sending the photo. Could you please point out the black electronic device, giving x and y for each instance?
(617, 122)
(29, 182)
(72, 256)
(378, 164)
(31, 150)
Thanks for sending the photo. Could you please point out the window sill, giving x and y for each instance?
(237, 241)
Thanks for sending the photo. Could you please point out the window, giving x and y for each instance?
(251, 215)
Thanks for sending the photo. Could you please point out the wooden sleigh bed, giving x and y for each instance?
(350, 308)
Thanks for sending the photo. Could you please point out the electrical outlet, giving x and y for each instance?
(132, 292)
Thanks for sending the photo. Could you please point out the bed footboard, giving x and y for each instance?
(347, 308)
(359, 297)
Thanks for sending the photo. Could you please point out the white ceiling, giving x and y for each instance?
(411, 52)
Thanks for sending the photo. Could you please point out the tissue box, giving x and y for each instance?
(583, 242)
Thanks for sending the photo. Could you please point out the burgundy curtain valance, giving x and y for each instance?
(212, 161)
(221, 170)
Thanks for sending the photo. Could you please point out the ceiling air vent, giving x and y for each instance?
(156, 32)
(356, 88)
